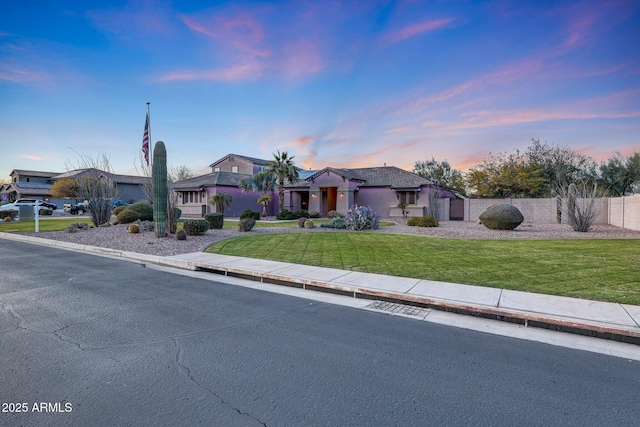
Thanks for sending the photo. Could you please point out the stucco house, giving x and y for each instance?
(381, 188)
(37, 185)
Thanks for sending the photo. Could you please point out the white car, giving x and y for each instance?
(15, 206)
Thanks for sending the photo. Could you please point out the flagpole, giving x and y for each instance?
(150, 143)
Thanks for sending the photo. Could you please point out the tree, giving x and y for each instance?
(582, 203)
(220, 201)
(442, 173)
(285, 170)
(64, 187)
(558, 164)
(505, 175)
(264, 201)
(262, 182)
(181, 173)
(621, 175)
(96, 186)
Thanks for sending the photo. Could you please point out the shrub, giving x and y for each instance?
(7, 219)
(303, 214)
(362, 218)
(116, 211)
(335, 223)
(145, 212)
(134, 228)
(196, 227)
(301, 222)
(250, 214)
(287, 215)
(314, 214)
(425, 221)
(215, 219)
(309, 224)
(128, 216)
(333, 214)
(246, 224)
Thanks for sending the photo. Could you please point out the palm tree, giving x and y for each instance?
(263, 183)
(220, 201)
(285, 170)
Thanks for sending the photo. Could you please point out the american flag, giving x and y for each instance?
(145, 140)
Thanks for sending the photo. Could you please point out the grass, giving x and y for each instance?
(233, 223)
(48, 224)
(603, 270)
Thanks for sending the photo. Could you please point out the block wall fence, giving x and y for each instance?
(623, 212)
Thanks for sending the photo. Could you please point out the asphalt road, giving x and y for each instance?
(86, 340)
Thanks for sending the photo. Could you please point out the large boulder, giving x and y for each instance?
(501, 217)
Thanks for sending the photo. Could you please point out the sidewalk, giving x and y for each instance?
(618, 322)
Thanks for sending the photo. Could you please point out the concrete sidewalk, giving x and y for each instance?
(618, 322)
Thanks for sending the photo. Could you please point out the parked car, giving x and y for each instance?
(117, 202)
(45, 208)
(74, 208)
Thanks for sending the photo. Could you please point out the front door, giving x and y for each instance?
(329, 199)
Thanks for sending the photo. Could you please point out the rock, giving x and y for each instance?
(501, 217)
(181, 235)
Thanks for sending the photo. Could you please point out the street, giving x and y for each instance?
(88, 340)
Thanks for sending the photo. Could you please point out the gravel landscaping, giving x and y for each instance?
(117, 237)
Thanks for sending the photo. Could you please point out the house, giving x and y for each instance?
(37, 185)
(381, 188)
(195, 193)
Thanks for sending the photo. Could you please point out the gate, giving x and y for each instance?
(456, 210)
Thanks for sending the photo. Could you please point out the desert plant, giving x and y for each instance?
(196, 227)
(309, 224)
(314, 214)
(144, 210)
(250, 214)
(246, 224)
(432, 202)
(215, 219)
(173, 215)
(7, 219)
(160, 191)
(301, 222)
(264, 201)
(221, 201)
(403, 208)
(335, 223)
(128, 216)
(333, 214)
(134, 228)
(583, 204)
(424, 221)
(362, 218)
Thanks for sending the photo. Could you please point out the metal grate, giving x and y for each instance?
(400, 309)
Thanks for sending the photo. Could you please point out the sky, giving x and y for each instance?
(339, 83)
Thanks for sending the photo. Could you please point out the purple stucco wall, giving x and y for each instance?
(240, 202)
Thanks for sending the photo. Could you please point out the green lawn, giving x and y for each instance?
(604, 270)
(47, 224)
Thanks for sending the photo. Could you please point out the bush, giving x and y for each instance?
(301, 222)
(134, 228)
(309, 224)
(215, 219)
(128, 216)
(116, 211)
(7, 219)
(196, 227)
(425, 221)
(335, 223)
(303, 214)
(287, 215)
(246, 224)
(250, 214)
(144, 210)
(362, 218)
(333, 214)
(314, 214)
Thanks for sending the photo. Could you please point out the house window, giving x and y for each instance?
(407, 197)
(262, 168)
(234, 169)
(216, 169)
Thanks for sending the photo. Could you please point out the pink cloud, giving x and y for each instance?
(246, 71)
(31, 157)
(413, 30)
(302, 58)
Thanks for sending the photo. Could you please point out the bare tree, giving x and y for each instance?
(582, 203)
(94, 180)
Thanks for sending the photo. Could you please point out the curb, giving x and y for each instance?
(527, 319)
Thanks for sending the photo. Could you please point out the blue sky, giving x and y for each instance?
(334, 83)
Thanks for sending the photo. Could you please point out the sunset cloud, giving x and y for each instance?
(412, 30)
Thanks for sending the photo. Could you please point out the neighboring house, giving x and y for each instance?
(194, 193)
(37, 185)
(381, 188)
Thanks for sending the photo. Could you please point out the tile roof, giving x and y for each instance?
(228, 179)
(34, 173)
(118, 179)
(254, 160)
(384, 176)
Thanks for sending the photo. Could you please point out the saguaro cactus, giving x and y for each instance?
(159, 177)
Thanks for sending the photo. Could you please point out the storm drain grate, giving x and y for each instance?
(401, 309)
